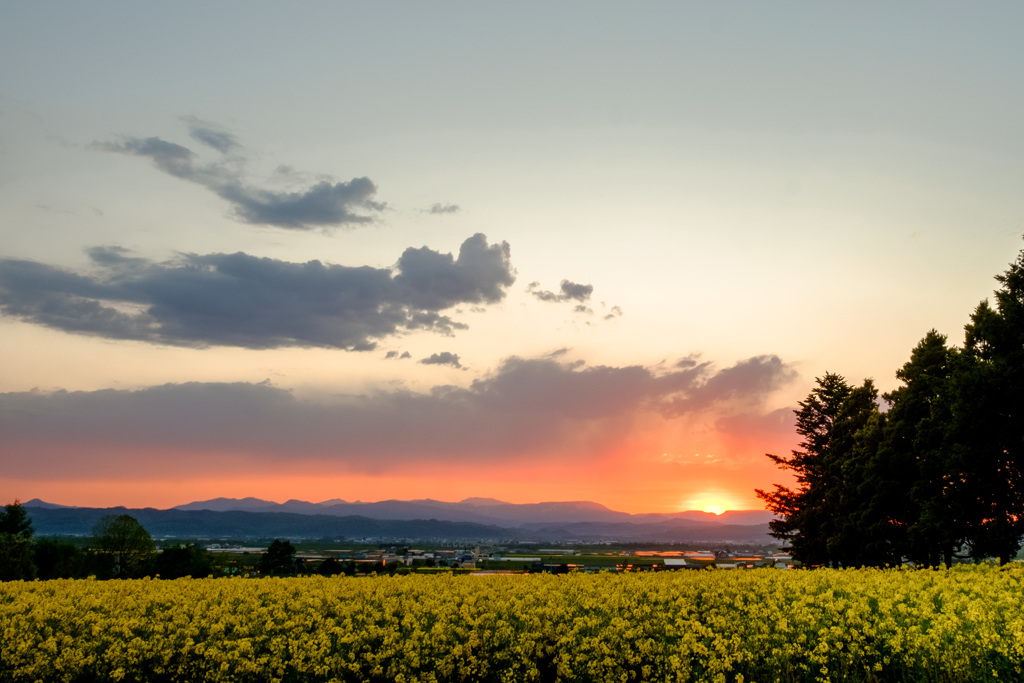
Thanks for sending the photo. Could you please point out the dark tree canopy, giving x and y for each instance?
(16, 546)
(279, 559)
(829, 467)
(179, 561)
(59, 560)
(989, 416)
(15, 520)
(939, 475)
(124, 543)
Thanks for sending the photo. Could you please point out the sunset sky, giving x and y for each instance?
(529, 251)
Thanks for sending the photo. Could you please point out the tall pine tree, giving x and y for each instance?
(814, 515)
(988, 418)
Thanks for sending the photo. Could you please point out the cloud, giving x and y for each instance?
(211, 135)
(246, 301)
(744, 381)
(444, 208)
(527, 409)
(569, 291)
(323, 204)
(572, 291)
(435, 281)
(394, 355)
(443, 358)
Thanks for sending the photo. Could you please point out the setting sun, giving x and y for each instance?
(713, 503)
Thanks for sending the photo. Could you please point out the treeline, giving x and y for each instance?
(932, 475)
(121, 548)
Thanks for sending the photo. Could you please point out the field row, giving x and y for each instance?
(965, 624)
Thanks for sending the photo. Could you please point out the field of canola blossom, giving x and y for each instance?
(965, 624)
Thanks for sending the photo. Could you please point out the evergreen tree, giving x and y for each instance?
(862, 533)
(940, 472)
(806, 521)
(17, 555)
(988, 418)
(920, 485)
(15, 520)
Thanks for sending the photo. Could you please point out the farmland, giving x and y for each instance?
(964, 624)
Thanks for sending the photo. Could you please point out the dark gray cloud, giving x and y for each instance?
(527, 409)
(572, 291)
(444, 208)
(435, 281)
(242, 300)
(323, 204)
(395, 355)
(568, 291)
(443, 358)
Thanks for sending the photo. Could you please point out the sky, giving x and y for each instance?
(527, 251)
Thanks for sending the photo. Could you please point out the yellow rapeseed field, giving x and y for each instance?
(965, 624)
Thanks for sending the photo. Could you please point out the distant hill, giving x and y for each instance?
(35, 502)
(204, 524)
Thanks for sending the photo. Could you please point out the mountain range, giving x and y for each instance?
(473, 519)
(478, 510)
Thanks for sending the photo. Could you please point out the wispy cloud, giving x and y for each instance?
(247, 301)
(443, 208)
(569, 292)
(322, 204)
(211, 135)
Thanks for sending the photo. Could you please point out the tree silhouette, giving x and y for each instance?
(278, 559)
(182, 560)
(988, 417)
(16, 547)
(122, 544)
(939, 475)
(806, 522)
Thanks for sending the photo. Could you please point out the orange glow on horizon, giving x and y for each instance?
(651, 468)
(633, 495)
